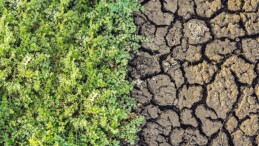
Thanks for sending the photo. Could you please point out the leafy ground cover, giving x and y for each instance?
(62, 72)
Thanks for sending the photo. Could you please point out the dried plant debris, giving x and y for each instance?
(196, 31)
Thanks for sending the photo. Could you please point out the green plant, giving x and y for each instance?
(62, 72)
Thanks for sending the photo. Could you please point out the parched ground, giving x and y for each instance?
(197, 78)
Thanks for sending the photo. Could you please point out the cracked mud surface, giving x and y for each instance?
(197, 77)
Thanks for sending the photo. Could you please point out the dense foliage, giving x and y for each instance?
(62, 72)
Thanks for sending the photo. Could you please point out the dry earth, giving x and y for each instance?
(197, 77)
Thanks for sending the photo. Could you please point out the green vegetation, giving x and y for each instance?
(62, 72)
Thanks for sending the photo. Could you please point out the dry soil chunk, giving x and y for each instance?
(240, 139)
(220, 140)
(207, 8)
(187, 52)
(148, 29)
(172, 68)
(168, 119)
(141, 94)
(201, 73)
(248, 103)
(218, 49)
(175, 34)
(189, 95)
(153, 11)
(234, 5)
(164, 144)
(244, 71)
(156, 41)
(139, 18)
(222, 93)
(145, 65)
(251, 49)
(231, 124)
(151, 112)
(227, 25)
(251, 5)
(170, 5)
(187, 118)
(186, 8)
(154, 134)
(209, 127)
(257, 90)
(183, 137)
(163, 89)
(196, 31)
(251, 21)
(251, 126)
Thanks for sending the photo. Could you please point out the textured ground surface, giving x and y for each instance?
(197, 77)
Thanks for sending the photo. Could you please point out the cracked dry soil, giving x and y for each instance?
(197, 77)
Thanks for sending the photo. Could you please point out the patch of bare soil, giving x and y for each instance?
(197, 78)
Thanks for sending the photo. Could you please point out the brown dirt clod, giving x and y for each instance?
(227, 25)
(234, 5)
(163, 89)
(206, 8)
(153, 10)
